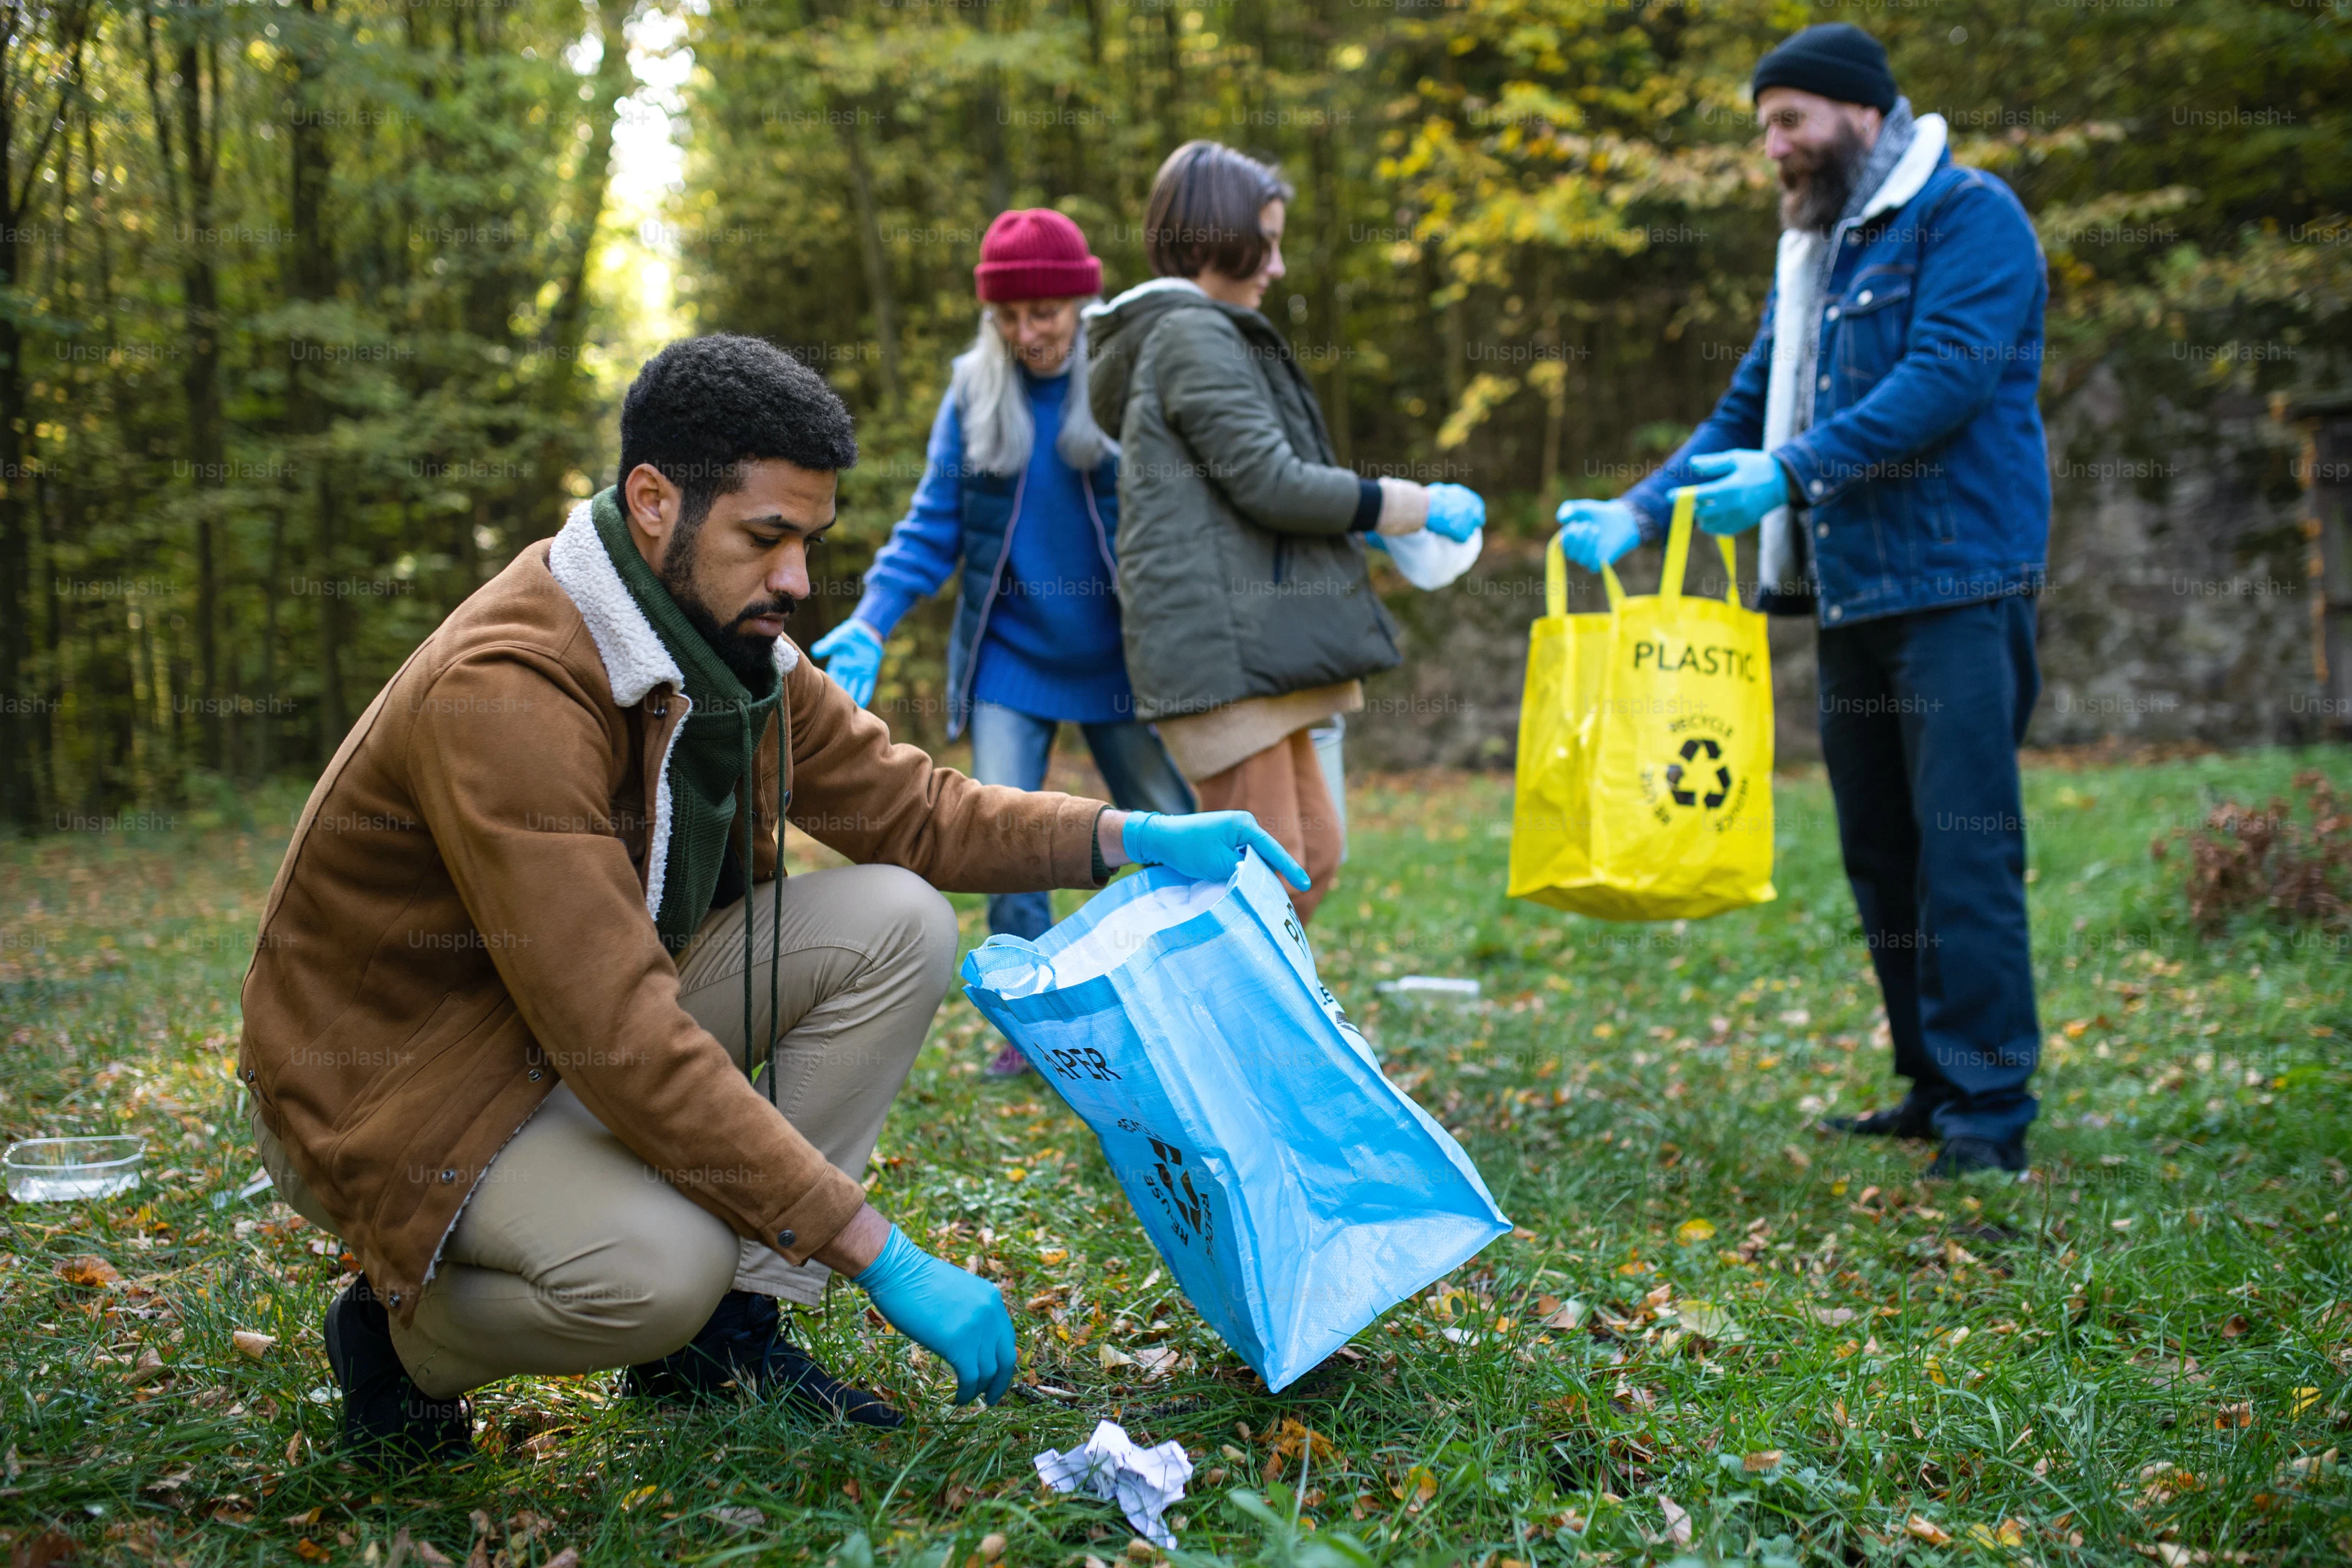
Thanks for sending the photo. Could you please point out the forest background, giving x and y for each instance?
(313, 313)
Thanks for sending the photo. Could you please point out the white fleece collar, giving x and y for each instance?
(635, 659)
(1144, 291)
(1797, 273)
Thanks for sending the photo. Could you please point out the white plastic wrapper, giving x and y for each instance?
(1145, 1482)
(1430, 560)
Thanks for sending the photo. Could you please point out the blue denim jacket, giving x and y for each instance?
(1925, 479)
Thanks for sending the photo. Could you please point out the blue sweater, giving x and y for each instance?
(1049, 638)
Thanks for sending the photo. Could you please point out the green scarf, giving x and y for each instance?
(712, 756)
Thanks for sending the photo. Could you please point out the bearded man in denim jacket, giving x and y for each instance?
(1884, 432)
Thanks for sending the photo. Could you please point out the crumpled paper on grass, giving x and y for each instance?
(1144, 1482)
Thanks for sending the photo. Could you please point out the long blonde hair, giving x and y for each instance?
(998, 428)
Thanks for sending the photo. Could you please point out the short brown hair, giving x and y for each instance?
(1204, 211)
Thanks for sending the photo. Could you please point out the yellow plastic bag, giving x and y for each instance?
(1645, 749)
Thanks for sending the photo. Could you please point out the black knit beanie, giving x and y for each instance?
(1836, 59)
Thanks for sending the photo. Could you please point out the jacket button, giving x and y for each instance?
(447, 1176)
(249, 1074)
(1820, 531)
(1824, 384)
(1833, 309)
(785, 1239)
(1862, 298)
(1836, 613)
(534, 1074)
(1815, 486)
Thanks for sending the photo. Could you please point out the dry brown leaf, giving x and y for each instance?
(1925, 1528)
(1678, 1525)
(1759, 1462)
(252, 1345)
(91, 1271)
(149, 1367)
(567, 1558)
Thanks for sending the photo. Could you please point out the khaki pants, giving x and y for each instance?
(1285, 788)
(572, 1254)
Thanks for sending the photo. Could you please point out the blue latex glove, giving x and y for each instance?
(1455, 511)
(958, 1317)
(852, 656)
(1204, 845)
(1594, 533)
(1750, 483)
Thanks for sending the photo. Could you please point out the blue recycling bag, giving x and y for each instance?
(1295, 1192)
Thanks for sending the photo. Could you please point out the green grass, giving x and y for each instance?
(2120, 1362)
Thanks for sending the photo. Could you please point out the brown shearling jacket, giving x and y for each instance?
(465, 916)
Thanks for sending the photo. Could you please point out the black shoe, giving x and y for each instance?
(1961, 1157)
(386, 1414)
(1915, 1118)
(744, 1346)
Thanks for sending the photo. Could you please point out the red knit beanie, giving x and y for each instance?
(1035, 252)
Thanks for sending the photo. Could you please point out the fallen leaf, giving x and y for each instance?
(567, 1558)
(91, 1271)
(1568, 1314)
(251, 1345)
(1113, 1357)
(1762, 1461)
(46, 1549)
(149, 1367)
(1833, 1316)
(1420, 1482)
(2168, 1553)
(2304, 1398)
(991, 1546)
(1706, 1320)
(1678, 1526)
(2239, 1415)
(1691, 1232)
(637, 1497)
(1928, 1530)
(2235, 1327)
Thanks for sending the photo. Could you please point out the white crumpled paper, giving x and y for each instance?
(1144, 1482)
(1429, 560)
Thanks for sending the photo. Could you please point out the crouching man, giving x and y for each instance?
(538, 1025)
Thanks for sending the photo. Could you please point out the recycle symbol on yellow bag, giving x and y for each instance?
(1676, 772)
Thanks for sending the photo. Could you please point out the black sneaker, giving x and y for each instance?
(386, 1414)
(744, 1346)
(1963, 1157)
(1915, 1118)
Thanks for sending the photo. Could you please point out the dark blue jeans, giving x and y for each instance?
(1010, 747)
(1921, 717)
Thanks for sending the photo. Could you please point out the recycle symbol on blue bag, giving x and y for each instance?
(1676, 772)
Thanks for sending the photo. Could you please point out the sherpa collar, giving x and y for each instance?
(635, 659)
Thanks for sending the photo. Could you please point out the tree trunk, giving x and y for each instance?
(206, 449)
(869, 244)
(567, 321)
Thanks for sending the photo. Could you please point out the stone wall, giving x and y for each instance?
(2178, 605)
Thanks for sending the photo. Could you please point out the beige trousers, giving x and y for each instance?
(572, 1254)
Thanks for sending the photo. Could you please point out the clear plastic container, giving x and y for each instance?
(62, 1170)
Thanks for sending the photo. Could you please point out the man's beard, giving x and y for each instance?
(751, 657)
(1813, 194)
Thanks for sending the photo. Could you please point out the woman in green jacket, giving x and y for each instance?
(1248, 612)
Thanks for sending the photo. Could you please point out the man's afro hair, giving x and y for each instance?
(703, 406)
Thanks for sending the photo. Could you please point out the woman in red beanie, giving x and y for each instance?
(1020, 496)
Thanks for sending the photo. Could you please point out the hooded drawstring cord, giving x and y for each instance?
(751, 782)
